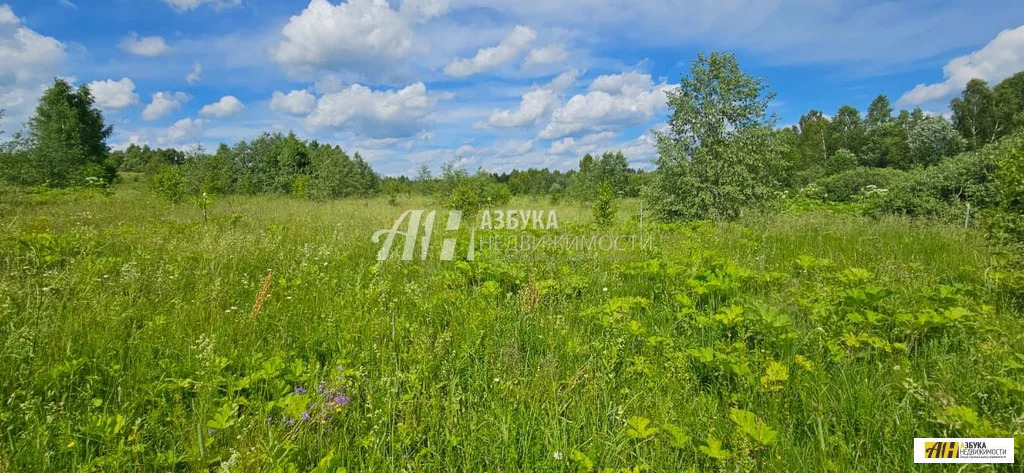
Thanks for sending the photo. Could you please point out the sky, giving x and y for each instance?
(493, 84)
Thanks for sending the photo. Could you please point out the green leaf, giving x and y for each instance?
(639, 428)
(753, 427)
(714, 449)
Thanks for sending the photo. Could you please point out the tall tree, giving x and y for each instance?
(814, 139)
(70, 137)
(848, 131)
(974, 114)
(879, 113)
(1009, 98)
(720, 153)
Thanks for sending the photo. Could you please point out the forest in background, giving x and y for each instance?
(722, 154)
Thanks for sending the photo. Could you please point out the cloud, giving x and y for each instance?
(195, 75)
(163, 103)
(149, 46)
(536, 104)
(512, 148)
(487, 58)
(999, 59)
(182, 132)
(28, 61)
(225, 107)
(186, 5)
(614, 102)
(587, 144)
(296, 102)
(68, 4)
(419, 10)
(366, 37)
(26, 55)
(546, 55)
(114, 95)
(375, 114)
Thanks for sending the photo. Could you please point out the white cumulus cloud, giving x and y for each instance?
(999, 59)
(28, 62)
(296, 102)
(225, 107)
(24, 54)
(149, 46)
(163, 103)
(536, 104)
(614, 102)
(487, 58)
(111, 94)
(362, 36)
(552, 54)
(183, 131)
(376, 114)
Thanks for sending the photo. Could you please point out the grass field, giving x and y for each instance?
(134, 337)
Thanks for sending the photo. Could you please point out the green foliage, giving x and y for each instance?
(170, 185)
(818, 326)
(974, 114)
(753, 427)
(945, 189)
(470, 193)
(610, 169)
(604, 204)
(66, 142)
(850, 185)
(719, 154)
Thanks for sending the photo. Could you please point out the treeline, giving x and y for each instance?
(722, 154)
(273, 163)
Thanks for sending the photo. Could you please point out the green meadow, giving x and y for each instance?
(138, 335)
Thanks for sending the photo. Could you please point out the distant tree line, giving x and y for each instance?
(720, 155)
(272, 163)
(723, 154)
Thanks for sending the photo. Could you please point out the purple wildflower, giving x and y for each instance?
(300, 390)
(305, 415)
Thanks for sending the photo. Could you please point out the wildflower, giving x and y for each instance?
(557, 455)
(300, 390)
(339, 400)
(211, 431)
(321, 387)
(305, 415)
(605, 289)
(70, 444)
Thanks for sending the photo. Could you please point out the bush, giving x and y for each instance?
(170, 185)
(945, 190)
(604, 204)
(848, 186)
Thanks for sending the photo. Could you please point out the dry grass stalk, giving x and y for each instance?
(261, 297)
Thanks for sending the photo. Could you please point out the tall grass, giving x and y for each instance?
(131, 342)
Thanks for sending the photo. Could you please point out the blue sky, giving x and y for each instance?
(487, 83)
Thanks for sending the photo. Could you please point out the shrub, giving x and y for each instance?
(945, 190)
(169, 184)
(847, 186)
(604, 204)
